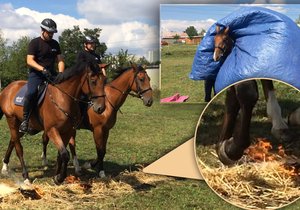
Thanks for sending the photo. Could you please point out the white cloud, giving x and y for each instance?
(181, 25)
(116, 11)
(136, 36)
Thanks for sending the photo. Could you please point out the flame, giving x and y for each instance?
(261, 151)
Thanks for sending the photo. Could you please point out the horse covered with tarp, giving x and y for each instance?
(266, 44)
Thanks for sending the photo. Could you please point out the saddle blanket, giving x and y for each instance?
(19, 99)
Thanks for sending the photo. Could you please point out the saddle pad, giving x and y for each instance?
(19, 99)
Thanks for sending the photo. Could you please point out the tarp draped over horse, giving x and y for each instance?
(266, 45)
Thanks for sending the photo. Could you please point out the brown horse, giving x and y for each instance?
(134, 79)
(58, 114)
(243, 97)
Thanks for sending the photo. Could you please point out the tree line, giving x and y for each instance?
(13, 57)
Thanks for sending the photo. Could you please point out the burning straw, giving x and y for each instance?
(260, 180)
(75, 193)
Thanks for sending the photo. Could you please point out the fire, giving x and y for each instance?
(261, 151)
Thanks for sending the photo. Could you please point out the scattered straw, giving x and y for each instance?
(75, 193)
(254, 185)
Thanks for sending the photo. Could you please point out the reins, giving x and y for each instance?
(139, 93)
(77, 100)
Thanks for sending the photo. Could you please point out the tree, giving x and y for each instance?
(176, 37)
(202, 32)
(298, 21)
(191, 32)
(119, 61)
(71, 42)
(13, 64)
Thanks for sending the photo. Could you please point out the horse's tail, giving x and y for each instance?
(1, 113)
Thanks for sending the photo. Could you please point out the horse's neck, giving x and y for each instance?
(230, 46)
(72, 86)
(122, 84)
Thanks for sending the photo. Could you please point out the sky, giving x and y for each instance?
(176, 18)
(130, 24)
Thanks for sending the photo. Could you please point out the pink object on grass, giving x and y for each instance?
(175, 98)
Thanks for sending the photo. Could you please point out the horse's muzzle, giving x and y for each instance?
(148, 102)
(98, 108)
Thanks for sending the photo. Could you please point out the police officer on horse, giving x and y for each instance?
(89, 55)
(42, 54)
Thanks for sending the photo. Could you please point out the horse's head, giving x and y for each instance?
(141, 85)
(223, 43)
(93, 86)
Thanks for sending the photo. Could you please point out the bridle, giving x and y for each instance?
(139, 93)
(227, 46)
(77, 100)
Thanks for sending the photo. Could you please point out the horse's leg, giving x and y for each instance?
(279, 126)
(72, 146)
(14, 124)
(5, 161)
(45, 140)
(100, 139)
(63, 155)
(231, 111)
(233, 149)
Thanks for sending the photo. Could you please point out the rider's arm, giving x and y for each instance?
(60, 63)
(32, 63)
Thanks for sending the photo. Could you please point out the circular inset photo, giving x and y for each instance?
(248, 144)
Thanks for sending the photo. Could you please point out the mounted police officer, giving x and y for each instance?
(42, 54)
(89, 55)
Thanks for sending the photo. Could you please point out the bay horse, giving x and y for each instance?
(134, 79)
(242, 97)
(58, 114)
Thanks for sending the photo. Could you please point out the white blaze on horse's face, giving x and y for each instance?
(222, 43)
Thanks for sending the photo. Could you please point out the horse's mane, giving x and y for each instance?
(115, 73)
(119, 71)
(76, 69)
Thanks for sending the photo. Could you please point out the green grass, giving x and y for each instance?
(176, 65)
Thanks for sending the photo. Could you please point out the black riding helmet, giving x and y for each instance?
(49, 25)
(89, 39)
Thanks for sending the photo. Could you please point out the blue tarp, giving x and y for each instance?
(266, 45)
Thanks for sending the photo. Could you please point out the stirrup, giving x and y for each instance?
(23, 127)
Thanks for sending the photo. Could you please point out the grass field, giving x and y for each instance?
(176, 65)
(141, 136)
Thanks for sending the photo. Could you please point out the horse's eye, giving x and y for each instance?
(142, 79)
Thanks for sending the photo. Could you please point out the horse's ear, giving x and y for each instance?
(226, 30)
(217, 29)
(134, 66)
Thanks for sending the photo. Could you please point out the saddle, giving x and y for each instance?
(19, 99)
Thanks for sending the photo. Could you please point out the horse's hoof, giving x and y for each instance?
(27, 182)
(102, 174)
(57, 181)
(87, 165)
(78, 172)
(45, 163)
(282, 135)
(5, 169)
(223, 157)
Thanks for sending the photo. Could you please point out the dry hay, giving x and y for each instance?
(74, 193)
(267, 184)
